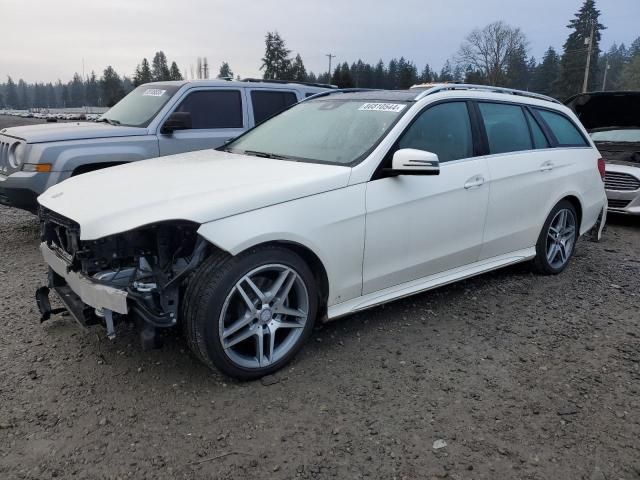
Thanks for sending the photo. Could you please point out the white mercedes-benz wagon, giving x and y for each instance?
(347, 200)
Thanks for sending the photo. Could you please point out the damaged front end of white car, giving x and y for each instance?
(131, 276)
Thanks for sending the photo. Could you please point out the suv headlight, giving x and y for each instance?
(17, 154)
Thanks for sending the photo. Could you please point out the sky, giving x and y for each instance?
(43, 40)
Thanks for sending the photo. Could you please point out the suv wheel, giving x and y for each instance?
(249, 315)
(557, 240)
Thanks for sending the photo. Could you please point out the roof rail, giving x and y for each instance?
(308, 84)
(484, 88)
(338, 90)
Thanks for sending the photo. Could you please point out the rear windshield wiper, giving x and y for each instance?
(110, 121)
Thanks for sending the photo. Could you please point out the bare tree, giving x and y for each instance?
(490, 49)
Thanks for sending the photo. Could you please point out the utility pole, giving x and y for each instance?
(604, 80)
(588, 65)
(330, 57)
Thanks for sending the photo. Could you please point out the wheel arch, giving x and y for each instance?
(577, 204)
(315, 264)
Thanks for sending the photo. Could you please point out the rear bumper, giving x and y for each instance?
(93, 294)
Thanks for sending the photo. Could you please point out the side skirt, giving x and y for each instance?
(428, 283)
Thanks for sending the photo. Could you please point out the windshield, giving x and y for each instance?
(324, 130)
(141, 105)
(622, 135)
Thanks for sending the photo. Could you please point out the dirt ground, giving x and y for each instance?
(521, 376)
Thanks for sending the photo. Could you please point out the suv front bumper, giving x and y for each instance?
(21, 189)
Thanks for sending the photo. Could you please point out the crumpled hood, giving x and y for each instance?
(606, 109)
(198, 186)
(58, 132)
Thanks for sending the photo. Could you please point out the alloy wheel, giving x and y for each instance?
(263, 316)
(561, 238)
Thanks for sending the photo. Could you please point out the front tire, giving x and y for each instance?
(557, 239)
(250, 314)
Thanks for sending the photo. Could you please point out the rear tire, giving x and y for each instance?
(557, 240)
(250, 314)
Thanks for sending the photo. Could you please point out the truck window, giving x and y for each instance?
(213, 109)
(269, 102)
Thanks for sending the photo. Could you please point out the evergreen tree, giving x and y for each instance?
(24, 99)
(51, 96)
(225, 71)
(427, 74)
(111, 87)
(275, 63)
(517, 71)
(92, 90)
(297, 72)
(630, 75)
(475, 77)
(39, 95)
(634, 50)
(574, 57)
(76, 91)
(546, 73)
(407, 74)
(174, 72)
(446, 74)
(12, 99)
(143, 73)
(611, 65)
(65, 97)
(342, 76)
(160, 68)
(379, 75)
(311, 77)
(391, 81)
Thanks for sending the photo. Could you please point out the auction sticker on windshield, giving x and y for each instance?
(153, 92)
(382, 107)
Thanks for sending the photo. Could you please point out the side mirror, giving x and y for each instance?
(409, 161)
(176, 121)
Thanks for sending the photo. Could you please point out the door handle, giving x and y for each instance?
(474, 182)
(546, 167)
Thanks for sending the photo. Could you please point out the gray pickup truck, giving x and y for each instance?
(154, 120)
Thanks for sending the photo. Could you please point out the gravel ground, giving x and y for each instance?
(510, 374)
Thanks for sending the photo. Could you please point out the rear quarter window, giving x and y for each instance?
(267, 103)
(565, 131)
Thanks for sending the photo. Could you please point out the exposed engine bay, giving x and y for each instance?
(149, 264)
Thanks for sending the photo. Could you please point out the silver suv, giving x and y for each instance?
(155, 119)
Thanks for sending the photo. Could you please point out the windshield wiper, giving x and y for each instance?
(110, 121)
(266, 155)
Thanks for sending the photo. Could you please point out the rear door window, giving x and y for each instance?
(506, 127)
(564, 130)
(213, 109)
(267, 103)
(444, 129)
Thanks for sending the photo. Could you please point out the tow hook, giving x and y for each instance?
(42, 299)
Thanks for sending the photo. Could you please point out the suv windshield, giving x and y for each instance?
(622, 135)
(141, 105)
(324, 130)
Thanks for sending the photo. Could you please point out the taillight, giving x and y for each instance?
(601, 168)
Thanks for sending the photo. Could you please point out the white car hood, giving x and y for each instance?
(198, 186)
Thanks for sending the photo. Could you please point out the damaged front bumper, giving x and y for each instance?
(81, 297)
(98, 296)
